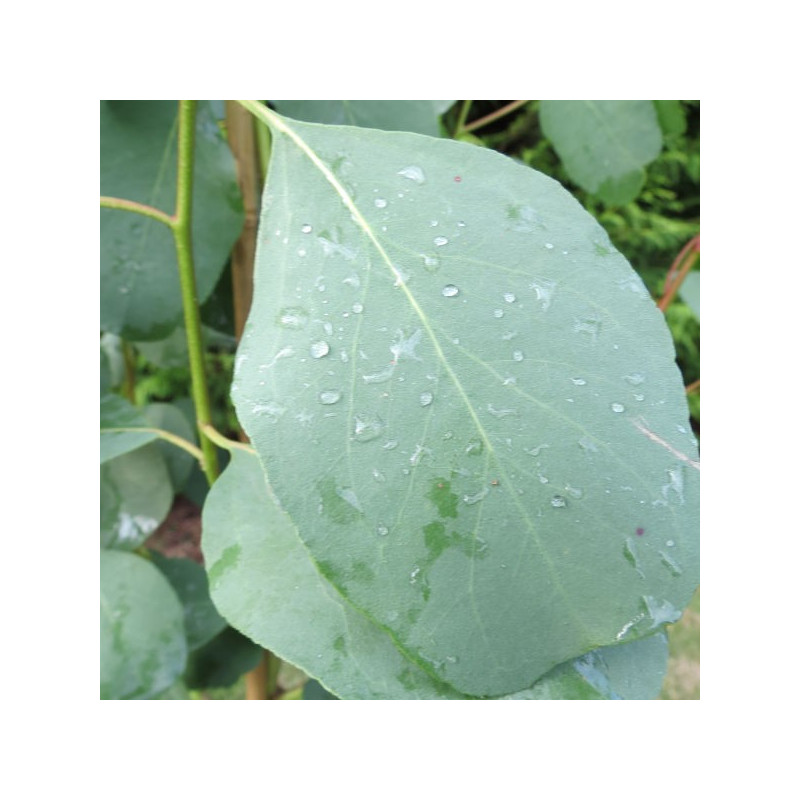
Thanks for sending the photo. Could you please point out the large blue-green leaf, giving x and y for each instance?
(416, 116)
(467, 402)
(139, 290)
(265, 584)
(142, 641)
(604, 144)
(169, 417)
(690, 292)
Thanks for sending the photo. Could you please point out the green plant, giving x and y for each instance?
(471, 473)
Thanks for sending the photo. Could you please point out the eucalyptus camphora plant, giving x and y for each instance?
(470, 471)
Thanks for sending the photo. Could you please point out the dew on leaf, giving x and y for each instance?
(499, 313)
(474, 447)
(426, 398)
(549, 246)
(558, 501)
(381, 376)
(390, 445)
(306, 228)
(579, 381)
(450, 290)
(293, 318)
(517, 355)
(589, 326)
(671, 564)
(379, 476)
(501, 412)
(349, 496)
(544, 292)
(413, 173)
(330, 396)
(617, 408)
(431, 263)
(440, 241)
(509, 297)
(471, 499)
(635, 379)
(357, 308)
(270, 409)
(380, 202)
(367, 428)
(320, 349)
(382, 530)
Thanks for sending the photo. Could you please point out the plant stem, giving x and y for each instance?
(172, 438)
(462, 118)
(182, 229)
(129, 382)
(693, 387)
(223, 441)
(678, 271)
(138, 208)
(495, 115)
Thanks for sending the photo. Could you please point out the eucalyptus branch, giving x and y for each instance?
(182, 229)
(463, 113)
(172, 438)
(693, 387)
(495, 115)
(137, 208)
(223, 441)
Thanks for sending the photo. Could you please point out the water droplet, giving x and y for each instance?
(587, 444)
(671, 564)
(635, 379)
(431, 262)
(590, 326)
(670, 543)
(474, 447)
(517, 355)
(349, 496)
(306, 228)
(549, 246)
(544, 292)
(426, 398)
(471, 499)
(574, 491)
(617, 408)
(499, 313)
(301, 252)
(382, 530)
(414, 573)
(501, 412)
(631, 555)
(509, 297)
(450, 290)
(329, 397)
(579, 381)
(293, 318)
(534, 451)
(675, 484)
(367, 428)
(357, 308)
(413, 173)
(557, 501)
(390, 445)
(319, 349)
(379, 476)
(381, 376)
(661, 611)
(270, 409)
(439, 241)
(434, 223)
(380, 202)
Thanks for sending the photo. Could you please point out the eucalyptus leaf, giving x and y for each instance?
(142, 641)
(139, 290)
(168, 417)
(690, 292)
(604, 144)
(416, 116)
(201, 619)
(135, 497)
(221, 661)
(468, 404)
(117, 418)
(265, 584)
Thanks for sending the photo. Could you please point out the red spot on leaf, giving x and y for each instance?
(457, 179)
(640, 531)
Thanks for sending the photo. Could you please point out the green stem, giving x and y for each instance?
(138, 208)
(462, 118)
(495, 115)
(178, 441)
(222, 441)
(182, 229)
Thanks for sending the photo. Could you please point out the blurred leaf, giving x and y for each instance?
(201, 619)
(168, 417)
(142, 641)
(690, 292)
(416, 116)
(671, 117)
(604, 144)
(135, 497)
(139, 289)
(222, 661)
(117, 412)
(314, 690)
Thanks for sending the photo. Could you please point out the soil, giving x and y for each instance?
(178, 536)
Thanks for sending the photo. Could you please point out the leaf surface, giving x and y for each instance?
(142, 641)
(416, 116)
(467, 403)
(139, 289)
(117, 418)
(604, 144)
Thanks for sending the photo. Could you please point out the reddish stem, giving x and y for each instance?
(679, 270)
